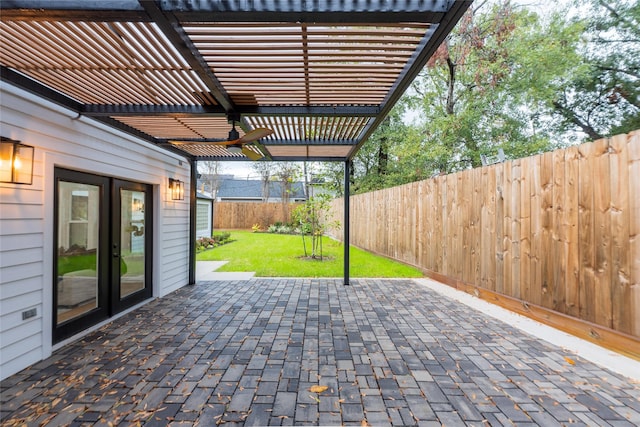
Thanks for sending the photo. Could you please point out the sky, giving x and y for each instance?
(239, 170)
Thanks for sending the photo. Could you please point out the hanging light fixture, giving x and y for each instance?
(176, 189)
(16, 162)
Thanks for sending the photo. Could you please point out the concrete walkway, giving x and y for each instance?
(386, 352)
(206, 271)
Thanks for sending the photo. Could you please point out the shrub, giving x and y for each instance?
(218, 239)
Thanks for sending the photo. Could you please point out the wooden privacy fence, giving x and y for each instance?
(560, 230)
(243, 215)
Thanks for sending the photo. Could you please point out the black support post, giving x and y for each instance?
(347, 178)
(193, 184)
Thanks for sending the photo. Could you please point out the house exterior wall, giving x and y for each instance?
(204, 214)
(26, 214)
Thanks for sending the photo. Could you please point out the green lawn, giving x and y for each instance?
(279, 255)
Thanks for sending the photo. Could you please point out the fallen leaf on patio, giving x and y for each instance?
(318, 388)
(569, 360)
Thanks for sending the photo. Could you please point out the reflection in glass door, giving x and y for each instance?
(130, 242)
(102, 256)
(78, 249)
(79, 293)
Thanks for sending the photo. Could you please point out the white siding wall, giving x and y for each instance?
(203, 221)
(26, 214)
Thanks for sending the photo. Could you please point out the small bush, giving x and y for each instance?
(218, 239)
(280, 228)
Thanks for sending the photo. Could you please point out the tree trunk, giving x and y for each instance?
(573, 118)
(452, 80)
(383, 156)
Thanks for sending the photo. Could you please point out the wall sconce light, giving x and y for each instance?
(176, 189)
(16, 162)
(137, 205)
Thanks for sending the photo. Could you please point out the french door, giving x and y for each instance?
(102, 257)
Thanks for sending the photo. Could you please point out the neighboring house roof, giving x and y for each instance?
(200, 195)
(252, 189)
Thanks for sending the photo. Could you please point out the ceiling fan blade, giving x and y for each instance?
(250, 153)
(255, 135)
(251, 136)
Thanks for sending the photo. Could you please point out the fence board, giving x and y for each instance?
(602, 233)
(546, 227)
(525, 231)
(586, 231)
(572, 276)
(498, 224)
(560, 233)
(620, 228)
(439, 212)
(634, 229)
(512, 288)
(476, 229)
(466, 191)
(535, 192)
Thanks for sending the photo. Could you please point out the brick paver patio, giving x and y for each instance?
(390, 352)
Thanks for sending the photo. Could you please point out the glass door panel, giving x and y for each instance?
(132, 242)
(81, 238)
(78, 249)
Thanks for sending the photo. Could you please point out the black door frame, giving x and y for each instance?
(108, 274)
(119, 304)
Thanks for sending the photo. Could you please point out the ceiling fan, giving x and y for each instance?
(236, 144)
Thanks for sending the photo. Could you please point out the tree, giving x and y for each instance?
(265, 170)
(491, 84)
(286, 173)
(210, 177)
(313, 219)
(604, 99)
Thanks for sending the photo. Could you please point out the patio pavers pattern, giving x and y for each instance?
(390, 352)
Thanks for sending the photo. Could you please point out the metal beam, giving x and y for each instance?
(324, 11)
(104, 110)
(193, 184)
(172, 29)
(311, 110)
(347, 219)
(216, 110)
(30, 85)
(73, 10)
(311, 142)
(275, 159)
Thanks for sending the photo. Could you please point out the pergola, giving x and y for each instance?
(321, 74)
